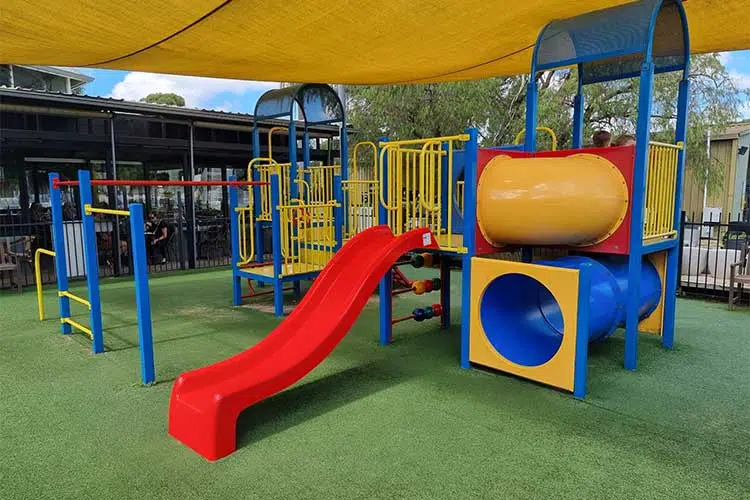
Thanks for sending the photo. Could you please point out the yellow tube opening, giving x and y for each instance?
(578, 200)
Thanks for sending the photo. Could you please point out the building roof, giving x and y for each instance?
(357, 42)
(105, 105)
(79, 77)
(733, 131)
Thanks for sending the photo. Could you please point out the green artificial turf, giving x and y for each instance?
(398, 422)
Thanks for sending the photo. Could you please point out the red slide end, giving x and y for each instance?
(206, 402)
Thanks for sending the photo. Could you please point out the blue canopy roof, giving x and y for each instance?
(319, 103)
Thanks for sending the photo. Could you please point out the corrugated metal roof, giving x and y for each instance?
(110, 104)
(732, 131)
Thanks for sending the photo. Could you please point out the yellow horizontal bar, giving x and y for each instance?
(108, 211)
(660, 236)
(330, 204)
(77, 325)
(460, 137)
(78, 299)
(45, 252)
(679, 145)
(242, 209)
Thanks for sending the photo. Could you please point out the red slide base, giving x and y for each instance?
(206, 402)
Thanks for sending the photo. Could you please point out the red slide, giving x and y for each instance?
(206, 402)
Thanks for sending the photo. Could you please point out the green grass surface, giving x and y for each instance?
(398, 422)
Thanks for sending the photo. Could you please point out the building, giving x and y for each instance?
(43, 132)
(46, 78)
(731, 200)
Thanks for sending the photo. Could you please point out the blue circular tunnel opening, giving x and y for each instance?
(522, 319)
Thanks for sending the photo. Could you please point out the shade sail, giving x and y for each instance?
(335, 41)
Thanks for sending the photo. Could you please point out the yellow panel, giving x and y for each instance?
(563, 284)
(315, 40)
(577, 200)
(653, 323)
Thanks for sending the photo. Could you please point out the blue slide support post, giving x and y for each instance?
(142, 294)
(578, 103)
(636, 225)
(256, 199)
(234, 231)
(385, 289)
(469, 230)
(92, 262)
(278, 285)
(58, 244)
(445, 291)
(582, 334)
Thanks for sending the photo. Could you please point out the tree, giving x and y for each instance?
(167, 98)
(496, 106)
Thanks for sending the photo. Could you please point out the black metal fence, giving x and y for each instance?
(709, 246)
(208, 246)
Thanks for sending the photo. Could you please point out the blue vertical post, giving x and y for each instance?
(293, 186)
(637, 209)
(91, 260)
(344, 145)
(673, 254)
(142, 294)
(469, 229)
(527, 254)
(581, 367)
(278, 285)
(306, 148)
(385, 288)
(578, 103)
(234, 231)
(58, 244)
(256, 199)
(338, 213)
(531, 110)
(445, 291)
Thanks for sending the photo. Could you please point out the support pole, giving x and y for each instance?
(582, 334)
(142, 294)
(58, 244)
(469, 229)
(234, 230)
(91, 260)
(445, 291)
(578, 112)
(278, 286)
(385, 288)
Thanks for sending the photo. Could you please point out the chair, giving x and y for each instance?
(739, 275)
(10, 262)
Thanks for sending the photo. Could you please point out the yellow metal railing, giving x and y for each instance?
(414, 194)
(361, 202)
(38, 276)
(317, 184)
(77, 325)
(358, 172)
(246, 234)
(270, 133)
(88, 210)
(551, 133)
(307, 236)
(661, 183)
(75, 298)
(265, 167)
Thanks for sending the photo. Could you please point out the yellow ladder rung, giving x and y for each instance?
(88, 209)
(78, 299)
(77, 325)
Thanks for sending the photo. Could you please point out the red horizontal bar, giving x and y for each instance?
(162, 183)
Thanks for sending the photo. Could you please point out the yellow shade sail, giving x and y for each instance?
(335, 41)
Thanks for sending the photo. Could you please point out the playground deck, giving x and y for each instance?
(370, 422)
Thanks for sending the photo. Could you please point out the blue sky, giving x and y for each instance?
(240, 96)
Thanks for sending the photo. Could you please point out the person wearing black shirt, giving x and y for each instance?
(158, 231)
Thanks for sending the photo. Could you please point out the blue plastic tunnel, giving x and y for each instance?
(524, 323)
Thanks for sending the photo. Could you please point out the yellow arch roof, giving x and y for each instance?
(337, 41)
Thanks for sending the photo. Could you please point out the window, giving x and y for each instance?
(207, 199)
(155, 130)
(177, 131)
(202, 134)
(229, 136)
(166, 199)
(12, 120)
(50, 123)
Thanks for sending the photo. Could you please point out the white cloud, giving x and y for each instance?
(198, 92)
(725, 58)
(741, 80)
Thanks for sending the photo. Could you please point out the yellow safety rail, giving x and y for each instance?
(38, 276)
(361, 200)
(413, 183)
(246, 234)
(88, 209)
(661, 183)
(539, 129)
(265, 167)
(77, 325)
(270, 133)
(359, 173)
(319, 186)
(307, 237)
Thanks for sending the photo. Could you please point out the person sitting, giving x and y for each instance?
(159, 232)
(601, 139)
(625, 140)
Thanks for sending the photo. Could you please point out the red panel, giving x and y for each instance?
(622, 157)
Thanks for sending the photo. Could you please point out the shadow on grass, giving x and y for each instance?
(304, 402)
